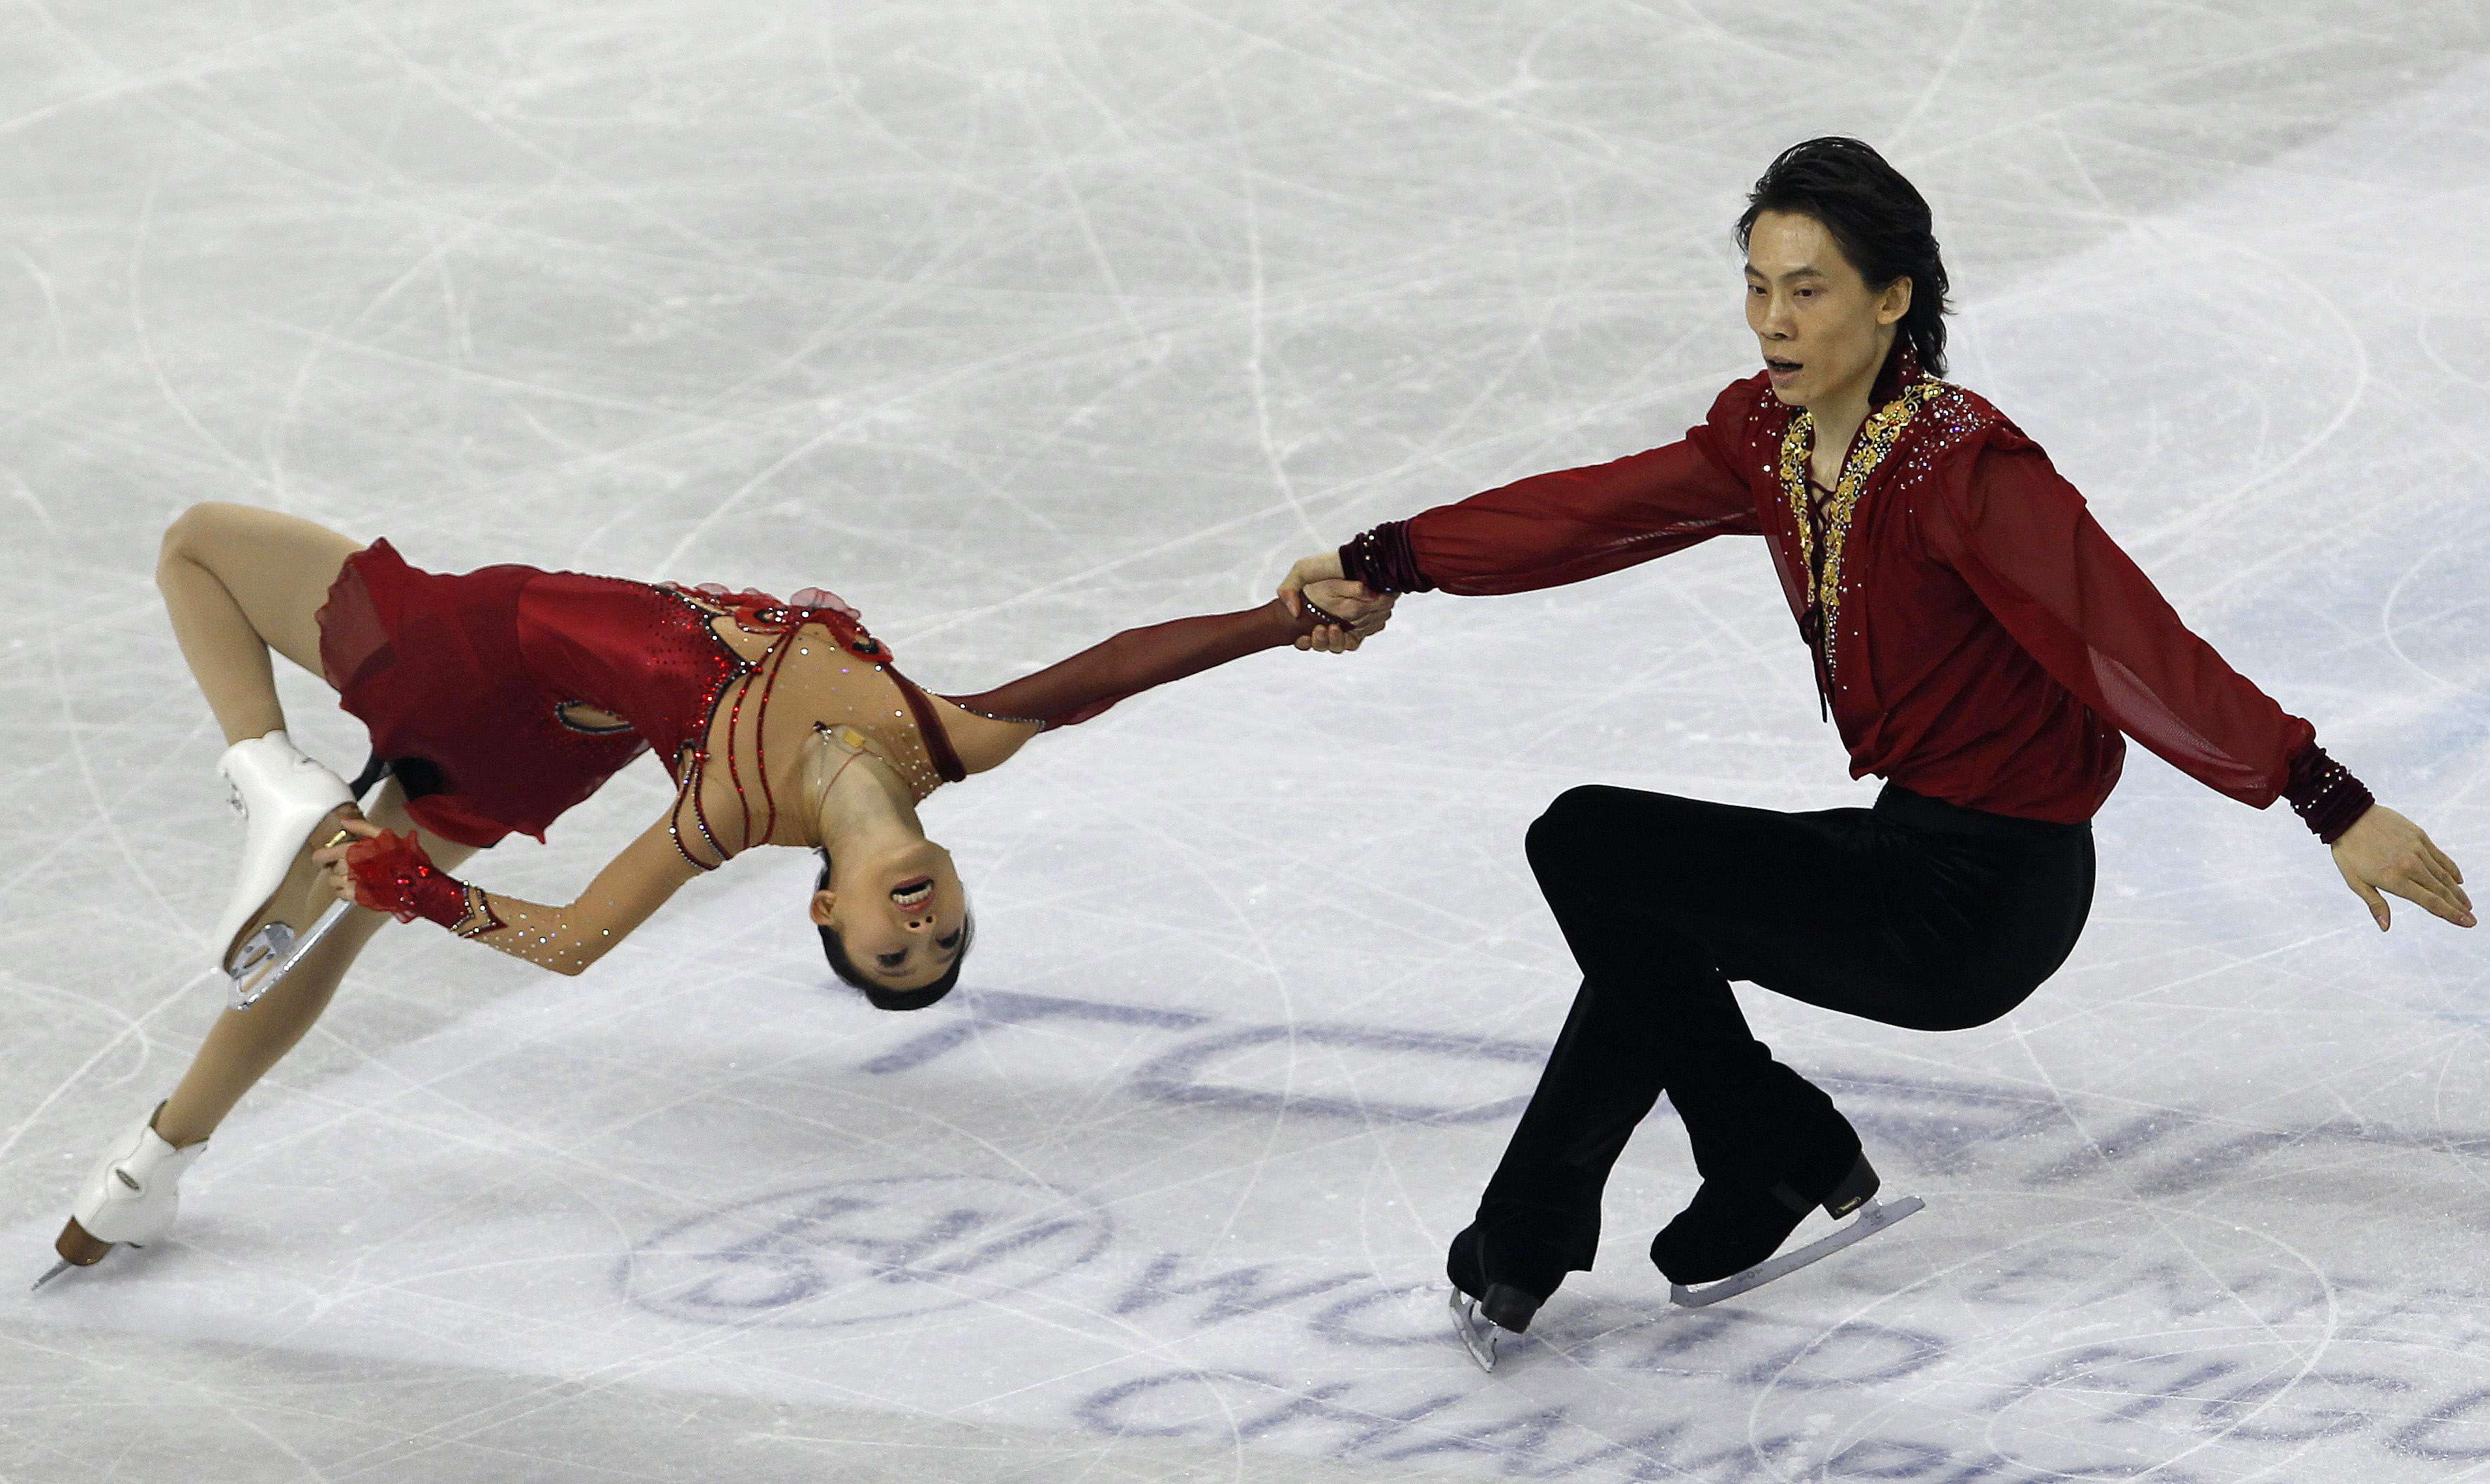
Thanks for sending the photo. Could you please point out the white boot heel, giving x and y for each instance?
(282, 797)
(129, 1199)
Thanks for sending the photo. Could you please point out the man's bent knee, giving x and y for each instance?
(1561, 829)
(1582, 821)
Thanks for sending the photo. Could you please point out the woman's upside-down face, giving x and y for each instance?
(902, 915)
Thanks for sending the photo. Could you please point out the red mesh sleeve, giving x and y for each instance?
(2020, 535)
(1574, 524)
(1072, 691)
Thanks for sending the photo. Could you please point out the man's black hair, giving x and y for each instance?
(882, 996)
(1879, 219)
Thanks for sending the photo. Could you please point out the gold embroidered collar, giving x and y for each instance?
(1876, 438)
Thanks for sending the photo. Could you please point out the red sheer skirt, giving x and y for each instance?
(430, 663)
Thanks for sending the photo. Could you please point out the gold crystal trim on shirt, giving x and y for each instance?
(1876, 438)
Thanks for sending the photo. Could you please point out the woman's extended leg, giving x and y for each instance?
(132, 1194)
(239, 582)
(245, 1043)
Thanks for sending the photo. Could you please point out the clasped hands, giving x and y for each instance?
(1318, 580)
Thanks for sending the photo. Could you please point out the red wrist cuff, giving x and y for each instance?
(2324, 795)
(1383, 559)
(393, 874)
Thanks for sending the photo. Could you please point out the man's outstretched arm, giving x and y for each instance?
(2021, 537)
(1549, 529)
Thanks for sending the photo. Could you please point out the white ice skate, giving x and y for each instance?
(282, 798)
(129, 1199)
(1872, 1217)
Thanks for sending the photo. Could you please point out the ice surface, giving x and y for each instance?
(1020, 324)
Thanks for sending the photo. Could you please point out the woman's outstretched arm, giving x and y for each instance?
(390, 872)
(1072, 691)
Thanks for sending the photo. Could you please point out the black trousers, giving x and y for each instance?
(1914, 913)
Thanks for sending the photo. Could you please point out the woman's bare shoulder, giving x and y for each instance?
(983, 741)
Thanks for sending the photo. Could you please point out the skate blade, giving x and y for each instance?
(1872, 1218)
(269, 953)
(75, 1250)
(1477, 1334)
(255, 963)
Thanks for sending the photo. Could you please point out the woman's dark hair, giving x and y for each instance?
(1880, 221)
(882, 996)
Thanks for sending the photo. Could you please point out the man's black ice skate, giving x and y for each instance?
(1489, 1303)
(1730, 1231)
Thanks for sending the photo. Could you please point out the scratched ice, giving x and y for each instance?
(1020, 324)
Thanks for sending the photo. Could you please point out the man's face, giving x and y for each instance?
(1824, 332)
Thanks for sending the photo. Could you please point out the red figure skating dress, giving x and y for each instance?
(503, 697)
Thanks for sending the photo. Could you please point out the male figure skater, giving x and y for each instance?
(1980, 642)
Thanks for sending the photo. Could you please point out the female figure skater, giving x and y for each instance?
(498, 699)
(1978, 641)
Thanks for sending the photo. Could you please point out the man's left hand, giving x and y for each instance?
(2383, 852)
